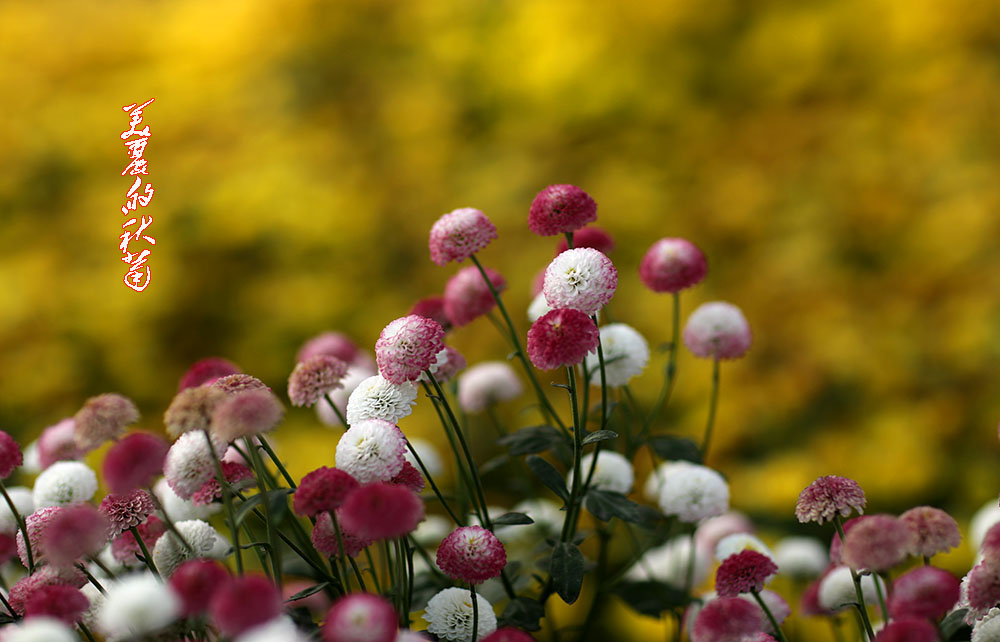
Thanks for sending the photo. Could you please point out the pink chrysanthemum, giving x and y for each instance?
(728, 619)
(455, 364)
(211, 491)
(717, 330)
(58, 443)
(836, 546)
(561, 337)
(877, 543)
(10, 455)
(124, 548)
(829, 496)
(583, 279)
(990, 547)
(195, 582)
(134, 461)
(36, 524)
(984, 585)
(382, 511)
(246, 414)
(8, 547)
(744, 572)
(508, 634)
(591, 236)
(671, 265)
(459, 234)
(324, 538)
(486, 384)
(924, 592)
(908, 629)
(408, 346)
(467, 296)
(360, 617)
(313, 378)
(561, 208)
(103, 418)
(934, 530)
(207, 371)
(243, 603)
(324, 489)
(126, 510)
(409, 477)
(23, 589)
(471, 554)
(74, 532)
(432, 307)
(191, 409)
(235, 384)
(59, 601)
(329, 344)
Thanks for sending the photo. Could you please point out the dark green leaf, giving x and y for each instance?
(533, 439)
(605, 504)
(651, 598)
(307, 592)
(566, 569)
(524, 613)
(953, 627)
(510, 519)
(276, 498)
(674, 448)
(493, 464)
(549, 476)
(599, 435)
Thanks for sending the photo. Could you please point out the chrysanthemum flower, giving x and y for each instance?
(459, 234)
(39, 629)
(467, 296)
(924, 592)
(102, 418)
(453, 364)
(829, 496)
(561, 208)
(378, 398)
(582, 279)
(471, 554)
(613, 472)
(136, 606)
(432, 307)
(10, 455)
(538, 307)
(324, 489)
(836, 589)
(801, 557)
(409, 477)
(179, 509)
(360, 617)
(590, 236)
(487, 383)
(246, 414)
(315, 377)
(236, 383)
(23, 502)
(190, 463)
(191, 409)
(908, 629)
(330, 344)
(984, 585)
(58, 443)
(737, 542)
(211, 490)
(58, 601)
(877, 543)
(669, 564)
(24, 588)
(693, 492)
(408, 346)
(449, 615)
(626, 354)
(74, 532)
(195, 582)
(64, 482)
(169, 552)
(324, 538)
(713, 530)
(124, 548)
(35, 524)
(207, 371)
(243, 603)
(727, 619)
(987, 628)
(744, 572)
(325, 413)
(381, 511)
(560, 338)
(372, 450)
(717, 330)
(280, 629)
(934, 530)
(672, 265)
(134, 461)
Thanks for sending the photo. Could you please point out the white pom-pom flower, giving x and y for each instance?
(693, 492)
(738, 542)
(428, 454)
(987, 628)
(371, 451)
(32, 459)
(136, 606)
(538, 307)
(836, 590)
(96, 598)
(23, 502)
(801, 557)
(190, 463)
(378, 398)
(583, 279)
(169, 552)
(64, 483)
(669, 564)
(717, 329)
(613, 472)
(487, 383)
(280, 629)
(626, 354)
(355, 375)
(39, 629)
(179, 509)
(449, 615)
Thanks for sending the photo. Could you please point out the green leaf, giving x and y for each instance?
(651, 598)
(953, 627)
(599, 435)
(605, 504)
(524, 613)
(307, 592)
(549, 476)
(533, 439)
(566, 570)
(673, 448)
(276, 499)
(512, 519)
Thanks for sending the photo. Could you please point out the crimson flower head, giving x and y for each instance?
(744, 572)
(73, 532)
(10, 455)
(561, 208)
(207, 371)
(195, 582)
(243, 603)
(381, 511)
(126, 510)
(133, 461)
(924, 592)
(322, 490)
(471, 554)
(60, 601)
(590, 236)
(432, 307)
(560, 338)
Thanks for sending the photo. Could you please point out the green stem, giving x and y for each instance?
(670, 370)
(86, 632)
(881, 598)
(374, 571)
(434, 487)
(862, 611)
(475, 613)
(358, 574)
(7, 606)
(277, 462)
(274, 551)
(341, 552)
(169, 522)
(712, 404)
(336, 410)
(574, 492)
(770, 616)
(22, 525)
(227, 501)
(92, 579)
(145, 552)
(463, 474)
(689, 576)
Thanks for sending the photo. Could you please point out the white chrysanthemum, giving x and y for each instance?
(355, 375)
(179, 509)
(377, 398)
(538, 307)
(669, 564)
(801, 557)
(613, 472)
(449, 615)
(738, 542)
(987, 628)
(135, 606)
(583, 279)
(169, 553)
(280, 629)
(837, 589)
(190, 463)
(39, 629)
(431, 531)
(428, 454)
(371, 451)
(96, 599)
(651, 488)
(64, 483)
(32, 459)
(23, 501)
(626, 354)
(487, 383)
(693, 492)
(982, 521)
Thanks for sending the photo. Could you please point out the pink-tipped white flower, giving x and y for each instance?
(459, 234)
(561, 208)
(471, 554)
(371, 451)
(671, 265)
(449, 615)
(626, 354)
(560, 338)
(190, 463)
(102, 418)
(360, 617)
(717, 330)
(378, 398)
(39, 629)
(63, 483)
(669, 563)
(314, 378)
(744, 572)
(738, 542)
(23, 502)
(582, 279)
(467, 295)
(486, 384)
(407, 347)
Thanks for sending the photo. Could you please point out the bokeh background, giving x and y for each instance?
(837, 160)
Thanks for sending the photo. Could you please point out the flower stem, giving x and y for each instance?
(274, 457)
(7, 606)
(881, 598)
(86, 632)
(227, 501)
(770, 616)
(145, 552)
(21, 524)
(712, 404)
(689, 576)
(670, 370)
(862, 611)
(342, 553)
(569, 523)
(92, 579)
(340, 416)
(168, 521)
(434, 487)
(464, 474)
(273, 550)
(475, 613)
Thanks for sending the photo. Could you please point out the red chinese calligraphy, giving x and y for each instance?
(139, 274)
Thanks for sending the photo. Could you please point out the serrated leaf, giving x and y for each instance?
(599, 435)
(549, 476)
(512, 519)
(531, 440)
(309, 591)
(674, 448)
(650, 597)
(566, 570)
(605, 504)
(524, 613)
(953, 626)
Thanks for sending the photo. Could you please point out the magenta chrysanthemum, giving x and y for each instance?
(23, 589)
(10, 455)
(717, 330)
(381, 511)
(195, 582)
(908, 629)
(432, 307)
(728, 619)
(329, 344)
(591, 236)
(124, 547)
(877, 543)
(324, 489)
(207, 371)
(191, 409)
(583, 279)
(36, 524)
(934, 530)
(313, 378)
(408, 346)
(508, 634)
(459, 234)
(324, 538)
(243, 603)
(134, 461)
(58, 443)
(925, 592)
(561, 208)
(984, 585)
(744, 572)
(671, 265)
(467, 296)
(102, 418)
(360, 617)
(246, 414)
(233, 471)
(471, 554)
(409, 477)
(126, 510)
(828, 496)
(561, 337)
(58, 601)
(74, 532)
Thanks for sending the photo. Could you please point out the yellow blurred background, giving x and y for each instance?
(837, 161)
